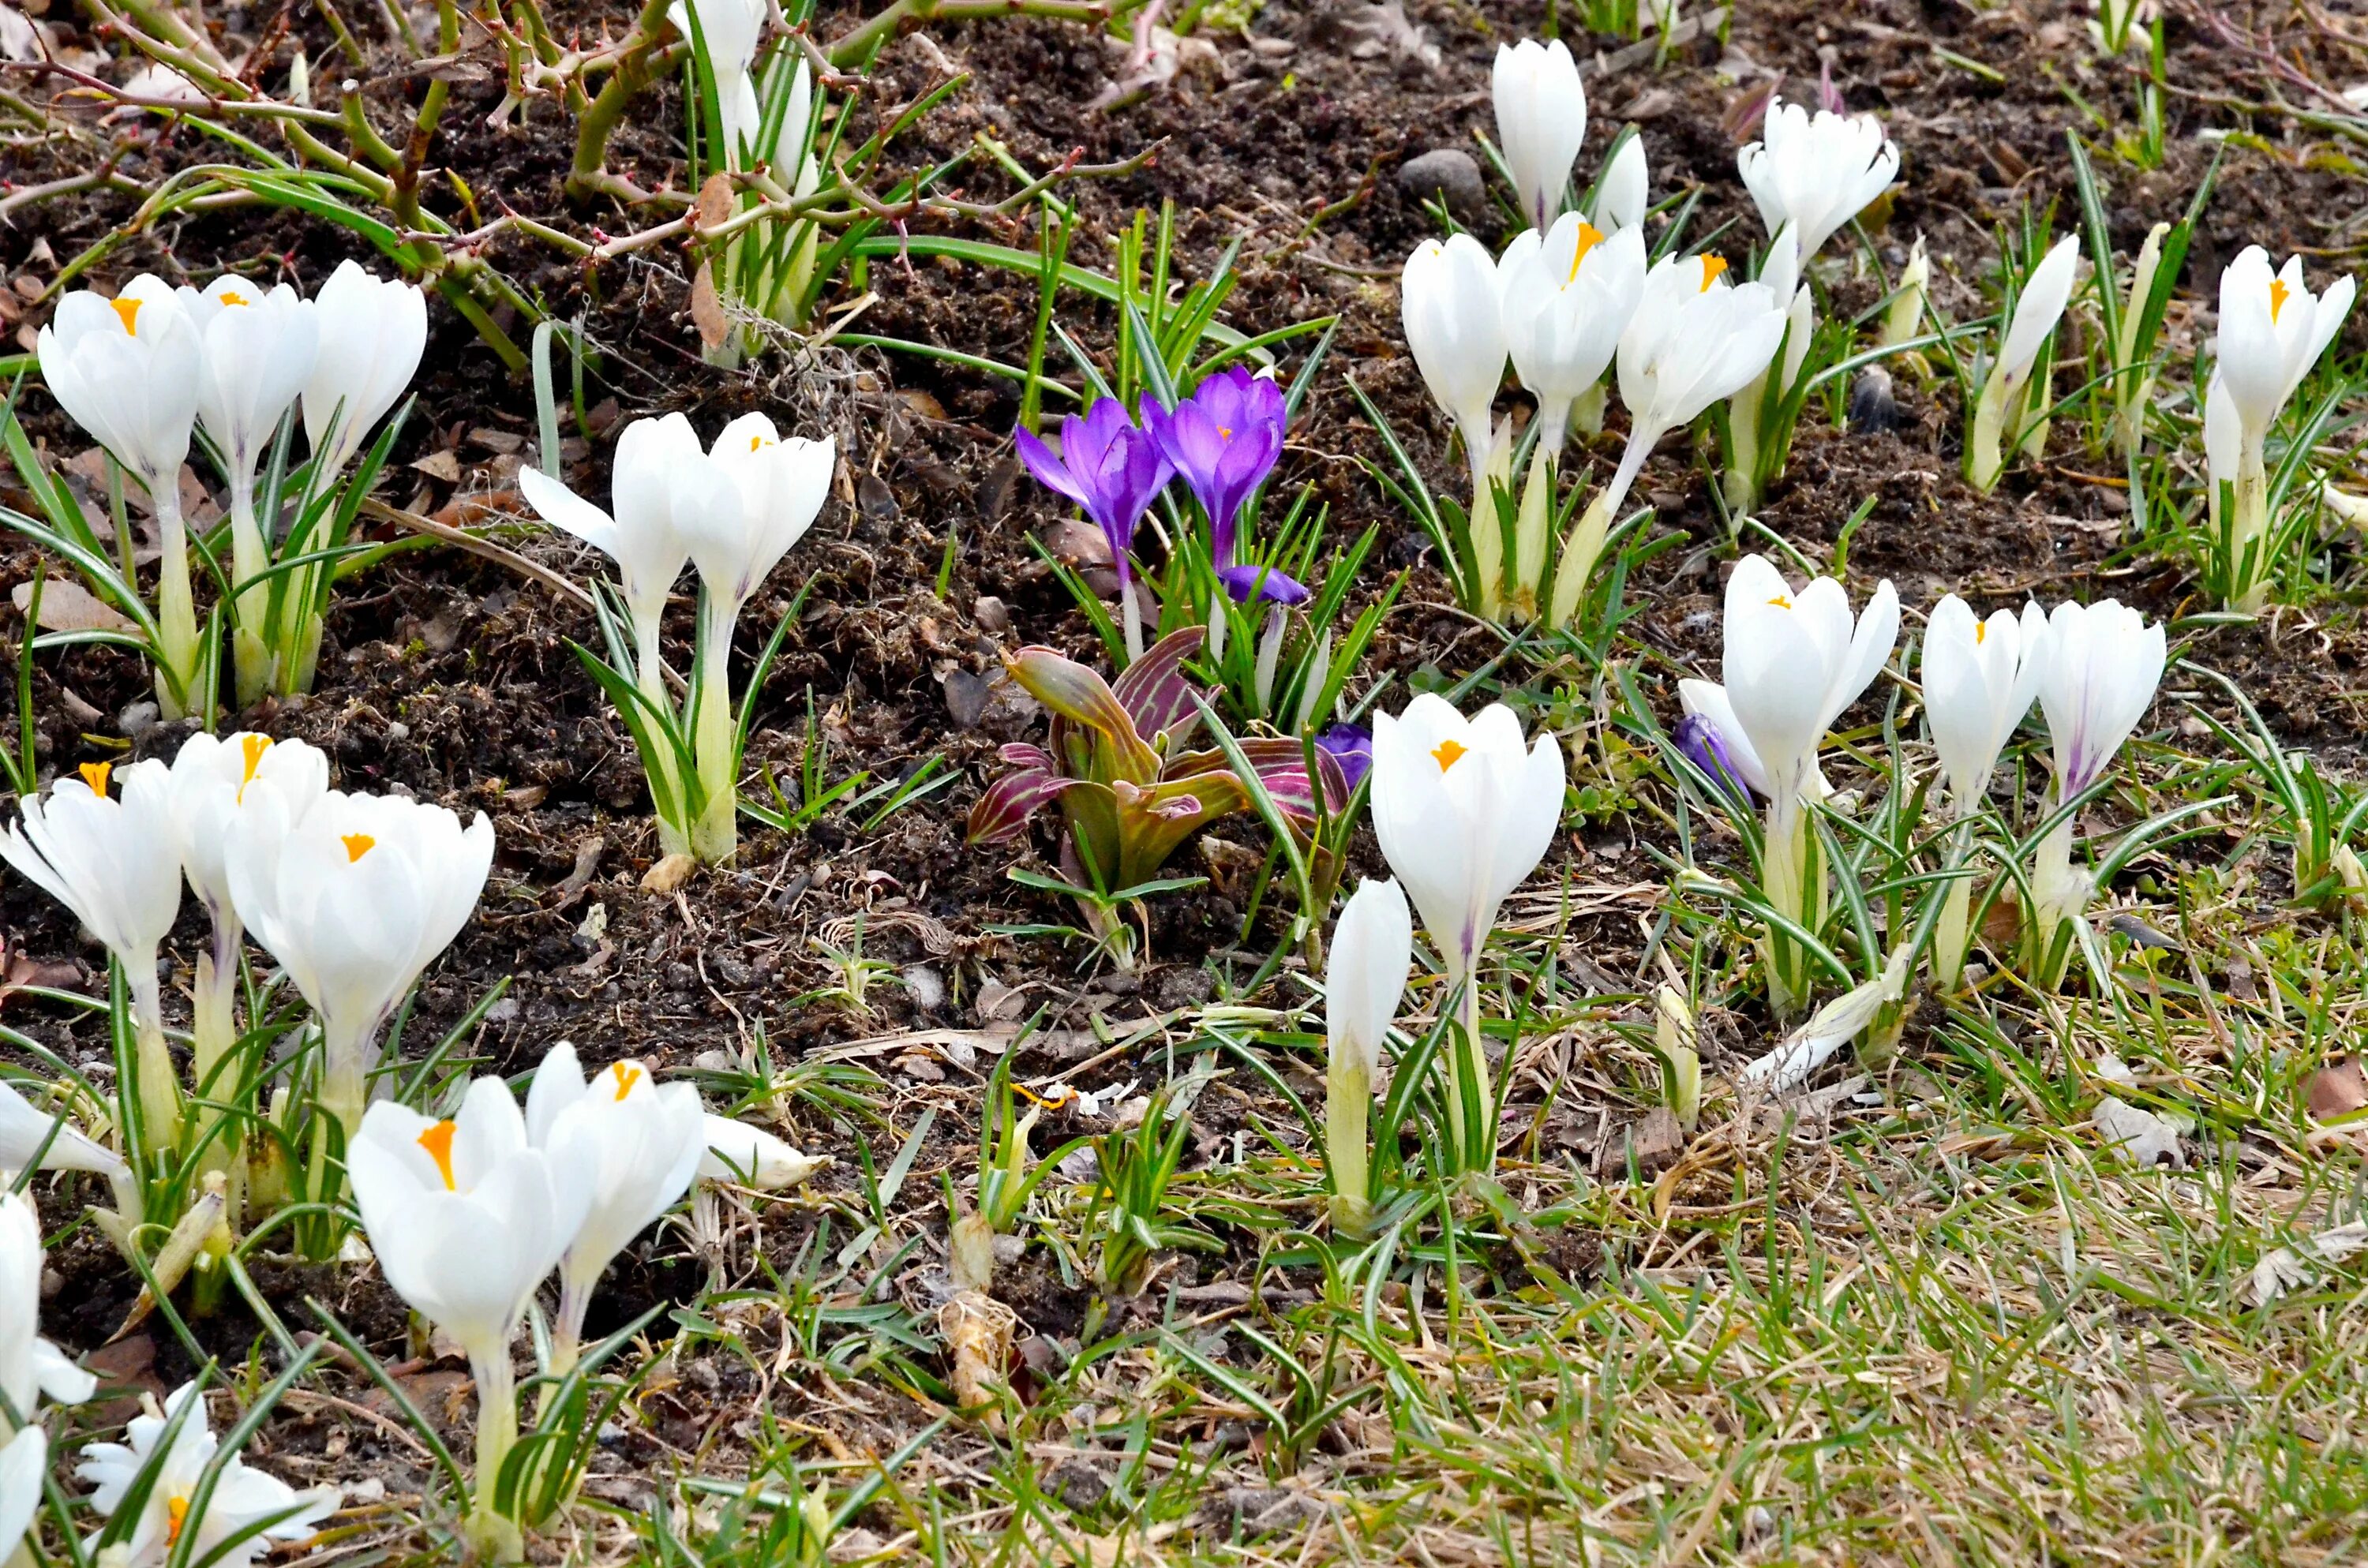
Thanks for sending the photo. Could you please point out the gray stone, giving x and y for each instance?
(1447, 173)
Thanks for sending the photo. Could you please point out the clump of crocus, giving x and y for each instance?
(1112, 468)
(1372, 953)
(734, 512)
(2011, 410)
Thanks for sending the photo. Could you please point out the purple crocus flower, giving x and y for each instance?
(1352, 746)
(1108, 467)
(1706, 749)
(1224, 439)
(1263, 585)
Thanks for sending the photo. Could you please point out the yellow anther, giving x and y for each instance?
(1981, 633)
(1781, 602)
(2280, 292)
(437, 1141)
(1589, 236)
(1448, 753)
(176, 1514)
(233, 297)
(357, 846)
(627, 1075)
(129, 310)
(1712, 267)
(94, 774)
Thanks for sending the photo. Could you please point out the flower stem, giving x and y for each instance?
(177, 616)
(1474, 1098)
(715, 836)
(1348, 1099)
(492, 1537)
(160, 1095)
(248, 556)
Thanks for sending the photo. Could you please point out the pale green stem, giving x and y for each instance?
(1348, 1101)
(249, 556)
(1953, 936)
(1129, 616)
(715, 836)
(1743, 414)
(160, 1095)
(492, 1537)
(1983, 461)
(1783, 879)
(1477, 1141)
(213, 1032)
(176, 615)
(2248, 530)
(649, 678)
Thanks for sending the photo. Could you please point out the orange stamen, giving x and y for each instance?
(176, 1514)
(233, 297)
(2280, 292)
(1448, 754)
(1712, 267)
(1589, 236)
(437, 1141)
(1981, 633)
(357, 846)
(627, 1075)
(94, 774)
(130, 311)
(1781, 602)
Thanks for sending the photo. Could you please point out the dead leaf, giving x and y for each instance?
(2338, 1090)
(67, 606)
(2284, 1269)
(2144, 1138)
(707, 308)
(668, 874)
(444, 466)
(715, 201)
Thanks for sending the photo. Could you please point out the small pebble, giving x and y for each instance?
(1447, 173)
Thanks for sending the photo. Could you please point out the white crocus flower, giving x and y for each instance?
(126, 370)
(729, 31)
(1540, 122)
(1695, 340)
(372, 332)
(24, 1466)
(467, 1217)
(31, 1366)
(1794, 661)
(211, 775)
(646, 1143)
(355, 898)
(1624, 193)
(1464, 811)
(1566, 297)
(260, 346)
(242, 1498)
(2272, 330)
(1833, 1026)
(743, 1154)
(28, 1132)
(2102, 665)
(1979, 679)
(660, 477)
(1449, 307)
(116, 863)
(1817, 172)
(1372, 953)
(781, 486)
(2010, 414)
